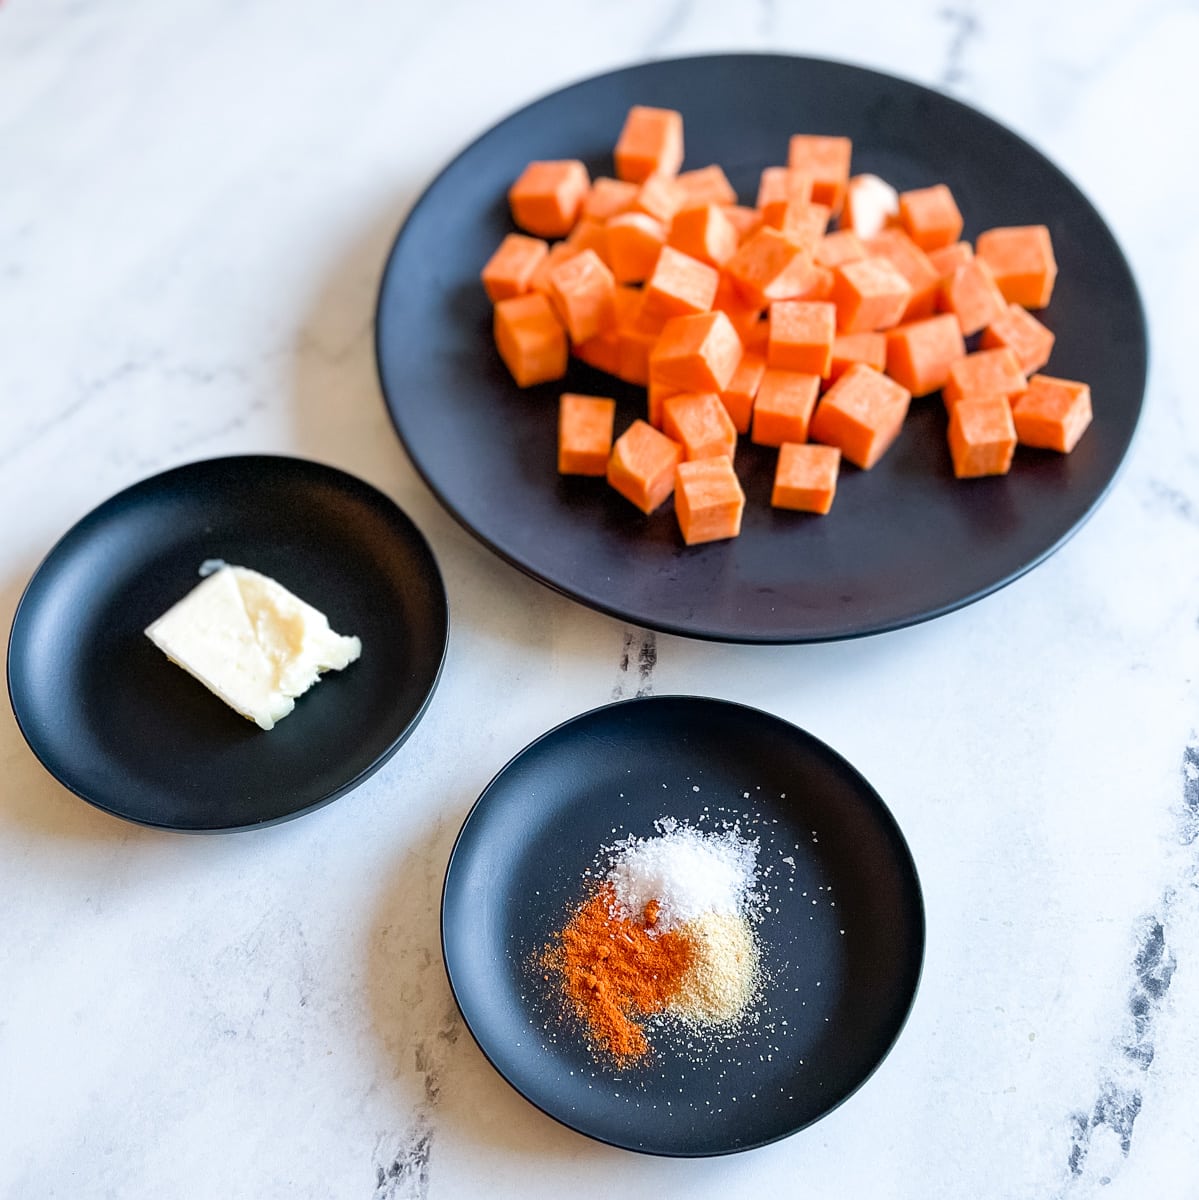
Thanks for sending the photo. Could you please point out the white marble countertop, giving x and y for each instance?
(195, 206)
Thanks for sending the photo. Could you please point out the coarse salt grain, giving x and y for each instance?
(687, 873)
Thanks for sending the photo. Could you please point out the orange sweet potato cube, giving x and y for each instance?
(634, 242)
(678, 286)
(805, 477)
(509, 271)
(861, 414)
(1021, 259)
(744, 314)
(605, 349)
(744, 220)
(805, 224)
(982, 437)
(850, 348)
(821, 287)
(801, 335)
(530, 339)
(659, 197)
(914, 265)
(583, 293)
(656, 395)
(920, 353)
(971, 295)
(589, 234)
(700, 424)
(983, 373)
(584, 433)
(769, 266)
(708, 500)
(706, 185)
(869, 295)
(1021, 332)
(632, 345)
(704, 232)
(948, 258)
(608, 198)
(601, 351)
(738, 397)
(559, 252)
(546, 199)
(783, 406)
(826, 160)
(930, 216)
(778, 187)
(698, 353)
(1052, 413)
(757, 338)
(836, 249)
(642, 465)
(650, 143)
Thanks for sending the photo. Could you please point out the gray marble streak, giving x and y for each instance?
(1109, 1124)
(635, 670)
(966, 28)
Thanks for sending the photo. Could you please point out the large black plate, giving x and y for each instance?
(905, 541)
(843, 941)
(116, 722)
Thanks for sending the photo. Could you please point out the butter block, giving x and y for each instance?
(251, 642)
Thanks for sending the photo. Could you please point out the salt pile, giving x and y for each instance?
(685, 873)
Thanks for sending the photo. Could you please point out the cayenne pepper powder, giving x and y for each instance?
(615, 971)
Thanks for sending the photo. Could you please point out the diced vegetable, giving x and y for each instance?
(650, 143)
(1021, 332)
(708, 500)
(584, 433)
(869, 295)
(530, 339)
(696, 354)
(982, 437)
(783, 406)
(642, 465)
(801, 335)
(1053, 413)
(805, 477)
(700, 424)
(546, 199)
(1021, 259)
(861, 414)
(826, 160)
(983, 373)
(509, 271)
(930, 217)
(920, 353)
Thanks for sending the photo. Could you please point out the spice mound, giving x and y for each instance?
(666, 933)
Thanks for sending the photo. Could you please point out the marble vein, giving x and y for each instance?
(1102, 1136)
(635, 671)
(965, 28)
(402, 1170)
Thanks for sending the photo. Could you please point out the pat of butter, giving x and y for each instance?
(251, 642)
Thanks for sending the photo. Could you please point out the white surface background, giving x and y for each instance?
(196, 200)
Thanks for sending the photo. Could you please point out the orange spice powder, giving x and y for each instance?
(614, 971)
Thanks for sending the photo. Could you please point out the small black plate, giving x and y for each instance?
(843, 938)
(120, 725)
(905, 541)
